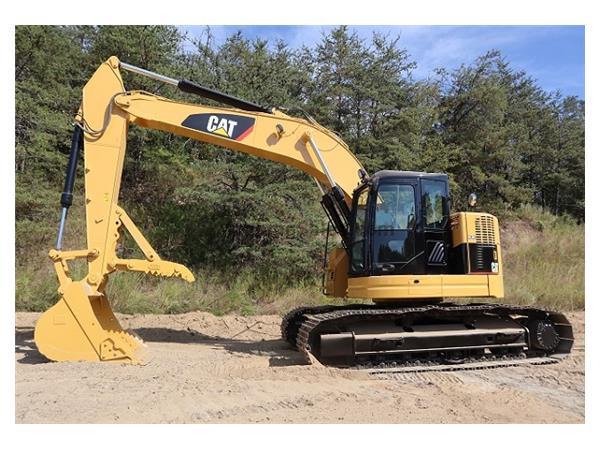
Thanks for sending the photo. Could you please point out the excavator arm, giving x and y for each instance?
(82, 325)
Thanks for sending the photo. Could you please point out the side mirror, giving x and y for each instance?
(362, 174)
(472, 201)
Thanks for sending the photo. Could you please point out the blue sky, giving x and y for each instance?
(553, 55)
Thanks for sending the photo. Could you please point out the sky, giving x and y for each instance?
(553, 55)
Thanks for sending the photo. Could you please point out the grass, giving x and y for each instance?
(133, 293)
(543, 261)
(36, 290)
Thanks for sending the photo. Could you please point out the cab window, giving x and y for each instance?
(358, 241)
(394, 228)
(433, 202)
(395, 207)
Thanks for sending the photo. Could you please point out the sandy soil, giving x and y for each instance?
(236, 370)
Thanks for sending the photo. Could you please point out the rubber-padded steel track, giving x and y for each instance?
(301, 327)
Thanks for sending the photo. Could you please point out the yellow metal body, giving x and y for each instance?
(336, 275)
(391, 288)
(82, 326)
(288, 146)
(474, 228)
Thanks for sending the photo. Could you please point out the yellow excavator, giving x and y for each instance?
(400, 245)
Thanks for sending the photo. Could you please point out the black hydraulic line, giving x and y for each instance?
(211, 94)
(66, 199)
(341, 202)
(325, 257)
(337, 221)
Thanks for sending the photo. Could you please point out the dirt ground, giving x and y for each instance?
(232, 369)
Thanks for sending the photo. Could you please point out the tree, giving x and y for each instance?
(490, 127)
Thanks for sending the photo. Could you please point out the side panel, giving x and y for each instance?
(415, 287)
(475, 244)
(465, 286)
(336, 276)
(394, 287)
(496, 285)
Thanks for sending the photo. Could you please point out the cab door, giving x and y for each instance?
(394, 244)
(359, 235)
(434, 204)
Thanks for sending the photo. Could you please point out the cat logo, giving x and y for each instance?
(221, 126)
(227, 125)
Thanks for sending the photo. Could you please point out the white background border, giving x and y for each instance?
(372, 12)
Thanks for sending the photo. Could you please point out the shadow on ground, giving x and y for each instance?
(280, 353)
(25, 345)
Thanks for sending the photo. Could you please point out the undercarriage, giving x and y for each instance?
(427, 337)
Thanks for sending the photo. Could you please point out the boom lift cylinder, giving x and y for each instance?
(193, 88)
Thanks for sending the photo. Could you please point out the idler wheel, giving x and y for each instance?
(543, 335)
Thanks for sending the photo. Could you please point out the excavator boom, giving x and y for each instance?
(82, 325)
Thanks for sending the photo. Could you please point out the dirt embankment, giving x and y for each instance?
(237, 370)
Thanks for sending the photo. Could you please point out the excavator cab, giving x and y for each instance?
(400, 224)
(403, 244)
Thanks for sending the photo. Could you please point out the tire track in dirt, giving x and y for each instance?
(422, 377)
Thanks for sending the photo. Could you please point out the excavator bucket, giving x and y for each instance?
(82, 327)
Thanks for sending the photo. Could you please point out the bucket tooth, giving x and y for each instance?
(120, 345)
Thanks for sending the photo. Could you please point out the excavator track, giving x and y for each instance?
(432, 337)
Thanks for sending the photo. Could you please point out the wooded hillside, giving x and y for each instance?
(234, 217)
